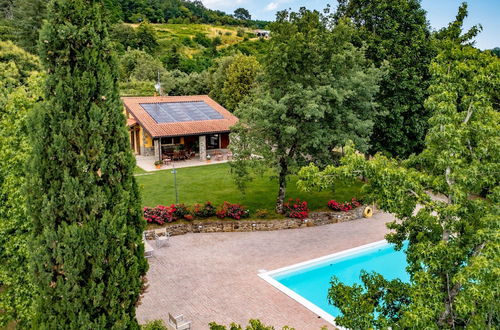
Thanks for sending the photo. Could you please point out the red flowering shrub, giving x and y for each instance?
(296, 209)
(181, 211)
(347, 206)
(188, 217)
(205, 211)
(160, 214)
(234, 211)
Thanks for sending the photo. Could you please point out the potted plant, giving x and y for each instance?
(158, 164)
(208, 158)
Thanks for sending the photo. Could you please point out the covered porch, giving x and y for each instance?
(147, 162)
(183, 148)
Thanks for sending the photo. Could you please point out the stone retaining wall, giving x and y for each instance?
(228, 225)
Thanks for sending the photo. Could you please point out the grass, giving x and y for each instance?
(139, 170)
(214, 183)
(168, 33)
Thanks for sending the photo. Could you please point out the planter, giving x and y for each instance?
(158, 166)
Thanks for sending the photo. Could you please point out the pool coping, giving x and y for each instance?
(268, 277)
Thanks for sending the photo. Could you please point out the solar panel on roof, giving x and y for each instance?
(173, 112)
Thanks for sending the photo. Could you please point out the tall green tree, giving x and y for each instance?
(28, 16)
(316, 93)
(88, 257)
(241, 80)
(453, 233)
(397, 36)
(20, 90)
(242, 14)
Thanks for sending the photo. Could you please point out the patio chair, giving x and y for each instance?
(148, 249)
(218, 155)
(166, 159)
(178, 322)
(162, 236)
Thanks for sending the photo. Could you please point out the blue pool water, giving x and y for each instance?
(313, 282)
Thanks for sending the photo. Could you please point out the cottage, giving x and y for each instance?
(262, 33)
(164, 126)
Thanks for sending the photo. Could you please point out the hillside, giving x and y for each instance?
(188, 41)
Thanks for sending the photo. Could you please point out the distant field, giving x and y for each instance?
(177, 32)
(214, 183)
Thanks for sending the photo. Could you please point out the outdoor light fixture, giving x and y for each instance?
(200, 226)
(253, 224)
(305, 220)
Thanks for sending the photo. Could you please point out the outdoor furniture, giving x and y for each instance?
(162, 236)
(229, 155)
(166, 159)
(218, 155)
(179, 155)
(148, 249)
(178, 322)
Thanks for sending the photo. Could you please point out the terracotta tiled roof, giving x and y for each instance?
(132, 104)
(131, 122)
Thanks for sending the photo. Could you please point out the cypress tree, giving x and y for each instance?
(88, 258)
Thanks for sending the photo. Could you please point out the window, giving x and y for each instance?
(170, 141)
(213, 141)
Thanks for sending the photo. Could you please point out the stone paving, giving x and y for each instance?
(147, 163)
(213, 276)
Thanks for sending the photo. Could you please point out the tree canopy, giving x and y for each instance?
(87, 252)
(397, 37)
(20, 90)
(446, 200)
(316, 92)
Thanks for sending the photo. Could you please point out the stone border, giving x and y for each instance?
(228, 225)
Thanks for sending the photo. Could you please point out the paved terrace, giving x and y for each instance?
(213, 276)
(147, 163)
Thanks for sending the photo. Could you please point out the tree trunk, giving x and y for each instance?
(282, 185)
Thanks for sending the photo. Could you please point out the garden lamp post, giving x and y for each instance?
(174, 172)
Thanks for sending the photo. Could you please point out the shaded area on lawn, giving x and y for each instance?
(215, 183)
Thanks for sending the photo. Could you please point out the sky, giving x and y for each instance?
(439, 13)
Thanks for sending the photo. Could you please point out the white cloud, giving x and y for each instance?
(272, 6)
(222, 3)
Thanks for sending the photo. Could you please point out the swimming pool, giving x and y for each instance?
(308, 282)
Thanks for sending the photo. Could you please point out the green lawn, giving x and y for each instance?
(139, 170)
(214, 183)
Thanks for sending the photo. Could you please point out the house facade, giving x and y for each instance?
(161, 125)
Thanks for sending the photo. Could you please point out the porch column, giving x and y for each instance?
(156, 143)
(203, 147)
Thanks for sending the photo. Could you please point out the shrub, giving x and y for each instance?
(188, 217)
(160, 214)
(181, 211)
(228, 33)
(202, 40)
(347, 206)
(240, 33)
(205, 211)
(234, 211)
(154, 325)
(296, 209)
(262, 213)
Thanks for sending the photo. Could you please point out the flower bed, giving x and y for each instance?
(347, 206)
(166, 214)
(296, 209)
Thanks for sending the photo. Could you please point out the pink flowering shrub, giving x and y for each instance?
(234, 211)
(347, 206)
(296, 209)
(160, 214)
